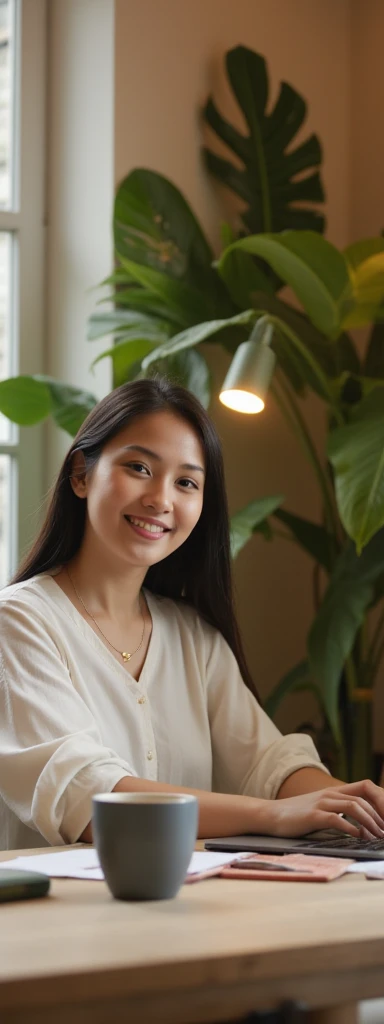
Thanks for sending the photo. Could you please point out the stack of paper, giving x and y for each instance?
(85, 864)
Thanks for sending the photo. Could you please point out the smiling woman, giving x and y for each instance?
(122, 665)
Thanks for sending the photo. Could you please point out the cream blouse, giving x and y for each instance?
(73, 721)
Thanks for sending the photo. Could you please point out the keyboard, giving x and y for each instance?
(323, 843)
(346, 842)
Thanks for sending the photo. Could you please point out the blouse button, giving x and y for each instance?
(149, 755)
(141, 700)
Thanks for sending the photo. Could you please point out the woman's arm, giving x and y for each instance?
(220, 814)
(223, 814)
(306, 780)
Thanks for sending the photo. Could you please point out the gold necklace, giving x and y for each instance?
(123, 654)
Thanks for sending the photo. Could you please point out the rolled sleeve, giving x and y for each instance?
(279, 760)
(52, 758)
(61, 805)
(250, 755)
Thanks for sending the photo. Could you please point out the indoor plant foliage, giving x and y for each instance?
(168, 296)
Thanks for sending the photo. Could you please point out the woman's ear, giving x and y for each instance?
(78, 475)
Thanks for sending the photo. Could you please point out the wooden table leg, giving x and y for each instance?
(346, 1013)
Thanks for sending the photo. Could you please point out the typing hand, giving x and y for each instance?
(296, 815)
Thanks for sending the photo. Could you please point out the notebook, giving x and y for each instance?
(327, 843)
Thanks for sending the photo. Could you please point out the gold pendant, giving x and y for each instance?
(125, 656)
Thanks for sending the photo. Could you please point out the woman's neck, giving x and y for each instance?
(112, 591)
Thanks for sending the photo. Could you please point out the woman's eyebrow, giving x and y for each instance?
(154, 455)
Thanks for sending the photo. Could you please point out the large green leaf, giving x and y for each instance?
(154, 225)
(331, 638)
(28, 400)
(25, 400)
(295, 681)
(125, 354)
(142, 302)
(127, 322)
(350, 388)
(119, 277)
(356, 452)
(374, 358)
(332, 356)
(195, 335)
(316, 271)
(244, 279)
(187, 368)
(278, 181)
(314, 539)
(357, 253)
(155, 230)
(70, 406)
(366, 270)
(250, 519)
(186, 302)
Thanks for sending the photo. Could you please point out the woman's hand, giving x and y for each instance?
(297, 815)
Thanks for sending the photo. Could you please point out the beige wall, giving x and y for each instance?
(367, 118)
(169, 56)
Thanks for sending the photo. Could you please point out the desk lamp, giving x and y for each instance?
(251, 371)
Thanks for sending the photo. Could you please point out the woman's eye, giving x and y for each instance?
(188, 484)
(138, 467)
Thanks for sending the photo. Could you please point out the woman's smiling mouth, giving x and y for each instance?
(147, 528)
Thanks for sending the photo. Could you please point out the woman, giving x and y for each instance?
(122, 667)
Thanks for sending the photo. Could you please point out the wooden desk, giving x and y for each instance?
(218, 951)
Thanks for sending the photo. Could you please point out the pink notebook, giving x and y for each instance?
(289, 867)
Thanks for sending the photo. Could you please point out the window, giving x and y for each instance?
(22, 99)
(9, 39)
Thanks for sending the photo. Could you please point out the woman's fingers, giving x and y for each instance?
(368, 791)
(331, 819)
(344, 799)
(357, 809)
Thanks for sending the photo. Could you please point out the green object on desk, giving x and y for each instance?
(22, 885)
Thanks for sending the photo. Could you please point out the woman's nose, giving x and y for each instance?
(158, 498)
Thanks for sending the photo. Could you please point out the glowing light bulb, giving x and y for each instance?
(241, 401)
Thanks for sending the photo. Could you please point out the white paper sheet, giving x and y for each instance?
(85, 863)
(69, 864)
(369, 868)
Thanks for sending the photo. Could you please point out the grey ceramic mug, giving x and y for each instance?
(145, 842)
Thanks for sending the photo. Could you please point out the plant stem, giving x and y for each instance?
(350, 673)
(316, 587)
(284, 535)
(298, 424)
(311, 361)
(377, 659)
(375, 642)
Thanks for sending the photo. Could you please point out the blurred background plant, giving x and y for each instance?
(167, 295)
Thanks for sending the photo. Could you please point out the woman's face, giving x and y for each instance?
(145, 494)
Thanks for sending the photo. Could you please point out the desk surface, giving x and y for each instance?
(219, 950)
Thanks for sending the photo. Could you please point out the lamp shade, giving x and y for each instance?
(248, 377)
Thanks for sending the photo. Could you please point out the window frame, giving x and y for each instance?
(26, 221)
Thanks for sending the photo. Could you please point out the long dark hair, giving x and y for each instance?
(199, 571)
